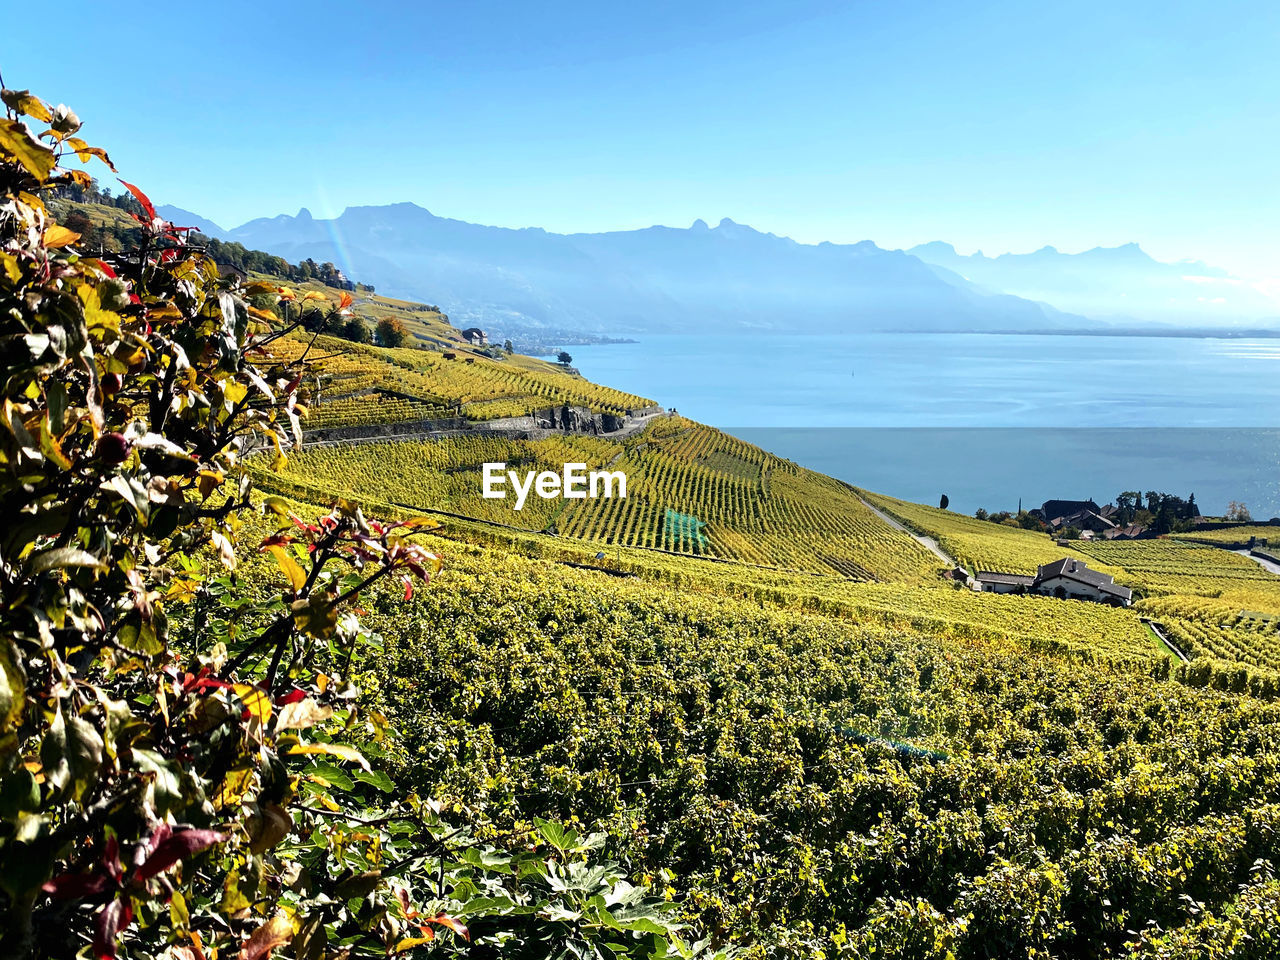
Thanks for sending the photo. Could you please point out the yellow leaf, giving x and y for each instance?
(255, 701)
(179, 917)
(22, 101)
(59, 236)
(11, 268)
(340, 750)
(290, 566)
(234, 787)
(277, 505)
(408, 943)
(35, 157)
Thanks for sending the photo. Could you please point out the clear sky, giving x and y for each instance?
(994, 125)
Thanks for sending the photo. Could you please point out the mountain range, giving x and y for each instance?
(723, 278)
(1120, 285)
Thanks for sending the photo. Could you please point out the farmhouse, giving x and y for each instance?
(476, 337)
(1080, 514)
(1067, 579)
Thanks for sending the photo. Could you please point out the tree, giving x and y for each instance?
(563, 358)
(944, 502)
(1238, 512)
(391, 332)
(510, 348)
(981, 513)
(78, 222)
(356, 330)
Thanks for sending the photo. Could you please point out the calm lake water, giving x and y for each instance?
(986, 419)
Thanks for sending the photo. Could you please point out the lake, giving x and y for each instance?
(985, 419)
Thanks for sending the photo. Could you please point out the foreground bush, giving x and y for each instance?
(183, 769)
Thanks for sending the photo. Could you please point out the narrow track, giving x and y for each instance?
(1159, 632)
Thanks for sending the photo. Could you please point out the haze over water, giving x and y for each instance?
(986, 419)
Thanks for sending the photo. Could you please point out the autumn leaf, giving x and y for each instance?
(255, 701)
(302, 714)
(59, 236)
(142, 199)
(36, 158)
(340, 750)
(170, 846)
(22, 101)
(292, 570)
(276, 932)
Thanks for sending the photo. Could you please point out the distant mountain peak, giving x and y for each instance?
(699, 225)
(303, 214)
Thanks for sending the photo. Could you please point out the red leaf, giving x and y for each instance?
(76, 886)
(293, 696)
(452, 924)
(112, 918)
(408, 589)
(105, 268)
(142, 199)
(177, 846)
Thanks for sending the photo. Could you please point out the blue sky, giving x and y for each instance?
(1000, 126)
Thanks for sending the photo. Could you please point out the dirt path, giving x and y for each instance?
(928, 543)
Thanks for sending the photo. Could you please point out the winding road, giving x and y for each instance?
(928, 543)
(1268, 565)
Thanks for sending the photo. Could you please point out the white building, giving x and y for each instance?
(1067, 579)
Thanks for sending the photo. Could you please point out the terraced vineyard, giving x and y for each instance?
(1167, 566)
(816, 770)
(690, 489)
(1265, 534)
(980, 544)
(1218, 628)
(376, 406)
(473, 386)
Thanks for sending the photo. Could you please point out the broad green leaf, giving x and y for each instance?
(329, 775)
(61, 557)
(376, 778)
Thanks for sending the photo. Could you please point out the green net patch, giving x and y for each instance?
(684, 531)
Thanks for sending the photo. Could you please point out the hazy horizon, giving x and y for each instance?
(989, 125)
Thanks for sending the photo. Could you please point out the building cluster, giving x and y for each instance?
(1066, 579)
(1090, 519)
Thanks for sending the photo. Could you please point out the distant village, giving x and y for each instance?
(1132, 517)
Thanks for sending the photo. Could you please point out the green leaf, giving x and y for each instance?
(71, 753)
(330, 774)
(166, 789)
(375, 778)
(13, 690)
(61, 557)
(315, 616)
